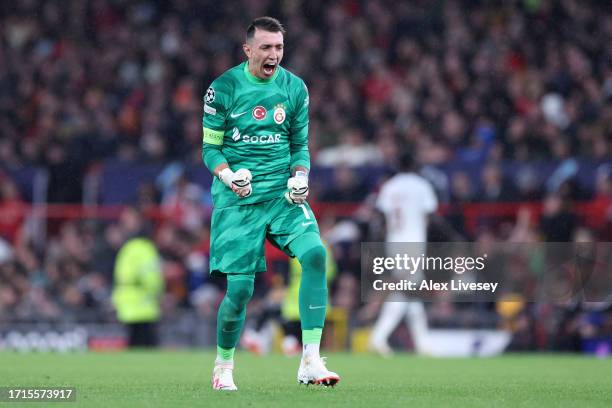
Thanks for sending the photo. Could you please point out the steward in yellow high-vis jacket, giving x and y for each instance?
(138, 286)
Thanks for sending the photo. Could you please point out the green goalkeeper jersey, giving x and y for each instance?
(260, 125)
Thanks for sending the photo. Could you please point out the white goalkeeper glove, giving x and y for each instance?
(239, 182)
(298, 188)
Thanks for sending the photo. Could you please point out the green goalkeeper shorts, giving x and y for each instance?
(238, 233)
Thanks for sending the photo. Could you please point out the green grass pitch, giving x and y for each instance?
(182, 379)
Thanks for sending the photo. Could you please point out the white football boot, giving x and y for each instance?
(313, 371)
(222, 378)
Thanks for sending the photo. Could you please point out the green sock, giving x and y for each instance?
(232, 310)
(225, 354)
(312, 336)
(313, 284)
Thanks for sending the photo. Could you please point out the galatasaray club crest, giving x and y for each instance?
(279, 114)
(259, 112)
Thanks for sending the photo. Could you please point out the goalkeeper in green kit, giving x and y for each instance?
(256, 144)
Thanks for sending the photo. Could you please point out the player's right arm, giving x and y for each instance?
(216, 107)
(216, 103)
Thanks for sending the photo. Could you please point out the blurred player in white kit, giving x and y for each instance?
(406, 200)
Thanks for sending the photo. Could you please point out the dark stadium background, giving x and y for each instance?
(507, 106)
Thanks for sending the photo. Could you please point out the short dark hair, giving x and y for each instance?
(265, 23)
(407, 161)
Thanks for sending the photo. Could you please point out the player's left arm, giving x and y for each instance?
(300, 157)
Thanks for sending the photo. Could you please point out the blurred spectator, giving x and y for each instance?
(494, 186)
(105, 250)
(352, 151)
(347, 186)
(182, 202)
(603, 203)
(462, 190)
(138, 284)
(528, 185)
(11, 208)
(557, 222)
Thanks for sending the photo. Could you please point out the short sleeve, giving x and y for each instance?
(383, 202)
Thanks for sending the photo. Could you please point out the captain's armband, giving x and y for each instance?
(212, 136)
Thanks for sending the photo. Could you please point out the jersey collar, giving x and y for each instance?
(252, 78)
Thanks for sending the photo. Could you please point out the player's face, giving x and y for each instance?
(265, 52)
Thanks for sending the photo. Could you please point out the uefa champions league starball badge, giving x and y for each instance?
(279, 114)
(210, 95)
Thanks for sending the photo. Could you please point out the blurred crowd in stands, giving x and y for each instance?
(474, 81)
(469, 82)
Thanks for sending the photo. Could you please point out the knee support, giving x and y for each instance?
(240, 289)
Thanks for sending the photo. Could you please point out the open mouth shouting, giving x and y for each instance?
(269, 68)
